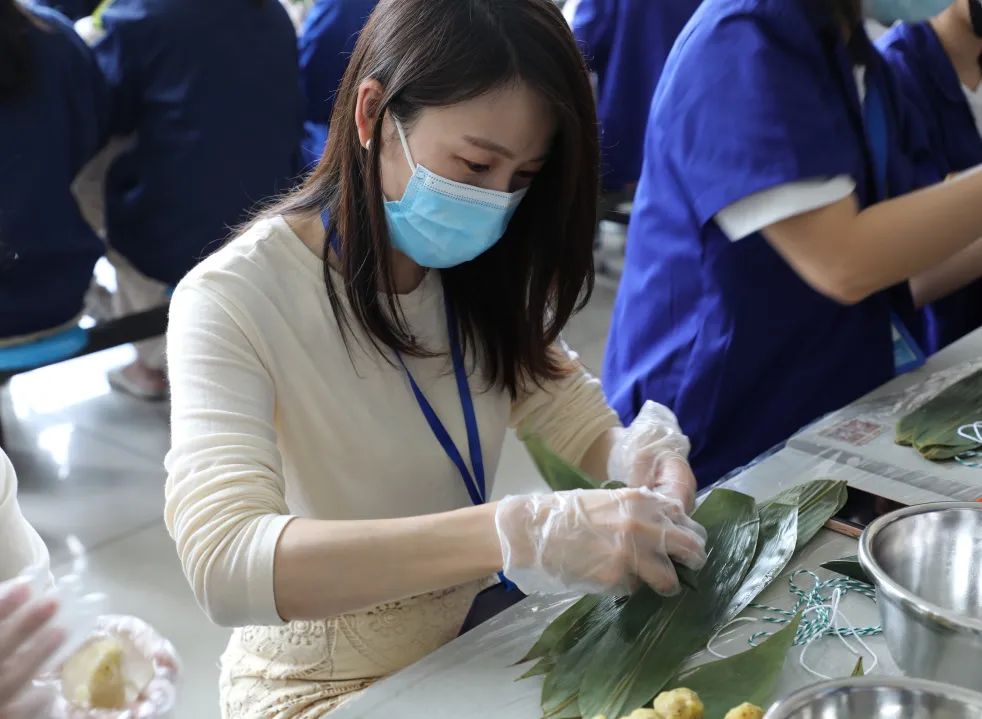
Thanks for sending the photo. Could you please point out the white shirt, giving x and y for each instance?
(767, 207)
(974, 100)
(20, 545)
(271, 417)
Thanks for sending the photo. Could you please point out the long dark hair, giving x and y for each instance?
(513, 301)
(15, 50)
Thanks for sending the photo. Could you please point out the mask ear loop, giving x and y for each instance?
(405, 143)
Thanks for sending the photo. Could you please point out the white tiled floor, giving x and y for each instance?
(90, 465)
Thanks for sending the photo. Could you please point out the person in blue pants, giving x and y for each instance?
(775, 259)
(210, 95)
(327, 41)
(936, 63)
(626, 43)
(53, 119)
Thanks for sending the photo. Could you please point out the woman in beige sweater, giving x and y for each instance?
(343, 372)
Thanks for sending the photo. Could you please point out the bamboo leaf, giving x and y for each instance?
(932, 429)
(539, 669)
(562, 624)
(776, 543)
(859, 671)
(848, 567)
(557, 473)
(751, 676)
(652, 636)
(817, 502)
(562, 685)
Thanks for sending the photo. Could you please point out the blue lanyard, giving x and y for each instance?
(474, 483)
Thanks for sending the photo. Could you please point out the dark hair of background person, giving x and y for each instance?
(512, 301)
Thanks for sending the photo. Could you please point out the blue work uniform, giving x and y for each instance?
(926, 76)
(72, 9)
(326, 43)
(755, 94)
(626, 43)
(47, 134)
(210, 92)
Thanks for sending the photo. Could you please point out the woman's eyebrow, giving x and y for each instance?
(494, 147)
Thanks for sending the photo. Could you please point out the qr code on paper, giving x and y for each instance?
(856, 432)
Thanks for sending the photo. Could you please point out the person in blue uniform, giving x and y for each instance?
(327, 41)
(210, 95)
(53, 117)
(769, 279)
(626, 43)
(936, 63)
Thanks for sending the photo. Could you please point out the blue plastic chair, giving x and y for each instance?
(39, 353)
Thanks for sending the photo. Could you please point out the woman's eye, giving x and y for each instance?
(476, 167)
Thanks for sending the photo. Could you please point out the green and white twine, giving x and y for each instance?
(815, 604)
(818, 607)
(973, 433)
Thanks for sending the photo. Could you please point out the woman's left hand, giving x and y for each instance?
(673, 477)
(652, 453)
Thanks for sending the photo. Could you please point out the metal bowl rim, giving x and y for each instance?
(782, 707)
(885, 584)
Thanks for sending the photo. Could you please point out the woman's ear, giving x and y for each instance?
(370, 94)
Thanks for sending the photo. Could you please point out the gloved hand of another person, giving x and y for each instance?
(27, 641)
(653, 453)
(597, 541)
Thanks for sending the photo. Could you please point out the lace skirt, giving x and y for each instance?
(305, 669)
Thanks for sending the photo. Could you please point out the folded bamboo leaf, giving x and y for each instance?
(652, 636)
(859, 671)
(750, 676)
(848, 567)
(932, 429)
(560, 475)
(562, 624)
(776, 543)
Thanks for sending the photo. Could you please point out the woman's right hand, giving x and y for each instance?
(26, 643)
(597, 541)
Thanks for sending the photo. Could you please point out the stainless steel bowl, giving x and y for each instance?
(926, 562)
(879, 698)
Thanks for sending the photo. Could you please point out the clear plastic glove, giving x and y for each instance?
(27, 642)
(597, 541)
(653, 453)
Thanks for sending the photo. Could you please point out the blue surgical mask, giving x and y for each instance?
(440, 223)
(891, 11)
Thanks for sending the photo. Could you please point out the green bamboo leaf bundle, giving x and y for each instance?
(933, 428)
(612, 655)
(652, 636)
(751, 676)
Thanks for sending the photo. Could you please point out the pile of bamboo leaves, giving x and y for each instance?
(610, 655)
(933, 428)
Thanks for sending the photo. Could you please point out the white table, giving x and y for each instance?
(474, 676)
